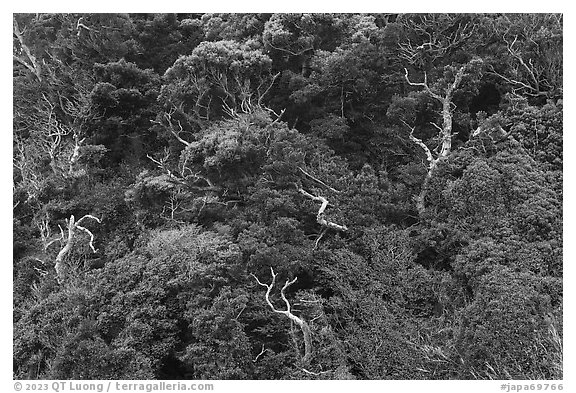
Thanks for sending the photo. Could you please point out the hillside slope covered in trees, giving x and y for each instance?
(287, 196)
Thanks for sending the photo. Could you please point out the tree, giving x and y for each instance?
(444, 94)
(302, 324)
(528, 61)
(167, 164)
(217, 78)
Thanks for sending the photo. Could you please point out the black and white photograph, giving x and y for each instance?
(287, 196)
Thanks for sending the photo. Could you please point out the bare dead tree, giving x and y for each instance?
(432, 163)
(73, 226)
(288, 313)
(444, 96)
(61, 141)
(50, 130)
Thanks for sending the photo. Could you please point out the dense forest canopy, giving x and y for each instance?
(287, 196)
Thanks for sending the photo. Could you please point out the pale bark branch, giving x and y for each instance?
(79, 25)
(59, 264)
(171, 126)
(75, 154)
(278, 116)
(436, 126)
(260, 354)
(423, 84)
(420, 143)
(314, 373)
(516, 55)
(320, 215)
(91, 244)
(88, 216)
(318, 180)
(261, 97)
(301, 52)
(319, 238)
(437, 40)
(298, 321)
(445, 132)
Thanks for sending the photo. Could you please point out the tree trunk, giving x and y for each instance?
(59, 264)
(307, 343)
(307, 337)
(420, 199)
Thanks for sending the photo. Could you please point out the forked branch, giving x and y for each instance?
(444, 132)
(73, 225)
(172, 127)
(288, 313)
(423, 84)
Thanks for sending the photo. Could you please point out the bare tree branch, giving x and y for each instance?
(298, 321)
(427, 151)
(444, 132)
(319, 238)
(79, 25)
(423, 84)
(171, 127)
(314, 373)
(438, 33)
(75, 154)
(301, 52)
(261, 96)
(320, 216)
(260, 354)
(318, 180)
(59, 264)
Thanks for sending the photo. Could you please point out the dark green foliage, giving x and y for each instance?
(214, 147)
(513, 339)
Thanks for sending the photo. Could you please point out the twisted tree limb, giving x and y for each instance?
(320, 219)
(298, 321)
